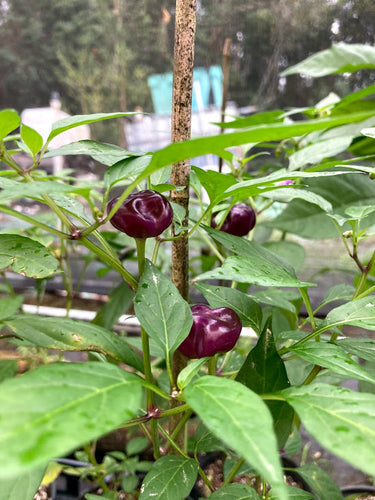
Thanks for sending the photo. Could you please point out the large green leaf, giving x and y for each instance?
(180, 151)
(107, 154)
(161, 310)
(252, 264)
(360, 312)
(320, 482)
(240, 419)
(170, 478)
(75, 121)
(235, 491)
(9, 121)
(311, 221)
(286, 195)
(364, 348)
(340, 58)
(49, 411)
(24, 486)
(248, 310)
(339, 419)
(71, 335)
(264, 372)
(316, 152)
(332, 357)
(32, 189)
(26, 256)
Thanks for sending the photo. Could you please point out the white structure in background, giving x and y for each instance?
(42, 119)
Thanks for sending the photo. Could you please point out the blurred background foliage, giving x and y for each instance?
(98, 53)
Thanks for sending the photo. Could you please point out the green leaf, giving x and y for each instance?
(119, 301)
(9, 120)
(248, 310)
(23, 486)
(286, 195)
(273, 116)
(332, 357)
(136, 445)
(294, 493)
(360, 312)
(161, 310)
(203, 441)
(340, 58)
(70, 205)
(310, 221)
(264, 372)
(170, 478)
(214, 182)
(235, 491)
(253, 264)
(10, 306)
(126, 169)
(63, 406)
(75, 121)
(32, 189)
(180, 151)
(187, 374)
(342, 291)
(26, 256)
(341, 420)
(70, 335)
(290, 251)
(362, 347)
(316, 152)
(320, 482)
(225, 406)
(32, 139)
(277, 298)
(107, 154)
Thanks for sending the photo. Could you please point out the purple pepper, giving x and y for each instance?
(143, 214)
(213, 331)
(240, 220)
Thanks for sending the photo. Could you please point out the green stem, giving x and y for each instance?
(211, 364)
(306, 300)
(233, 472)
(33, 222)
(150, 400)
(312, 375)
(114, 263)
(364, 275)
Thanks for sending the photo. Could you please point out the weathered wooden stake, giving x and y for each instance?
(181, 130)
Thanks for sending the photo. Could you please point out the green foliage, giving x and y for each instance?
(243, 403)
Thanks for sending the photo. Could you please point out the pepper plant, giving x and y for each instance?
(246, 396)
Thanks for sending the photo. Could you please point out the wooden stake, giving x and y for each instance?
(181, 131)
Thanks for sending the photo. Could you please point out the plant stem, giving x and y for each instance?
(150, 400)
(130, 280)
(306, 300)
(234, 470)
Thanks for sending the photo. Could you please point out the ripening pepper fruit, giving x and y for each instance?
(213, 331)
(144, 214)
(240, 220)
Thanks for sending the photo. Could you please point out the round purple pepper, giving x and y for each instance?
(240, 220)
(143, 214)
(213, 331)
